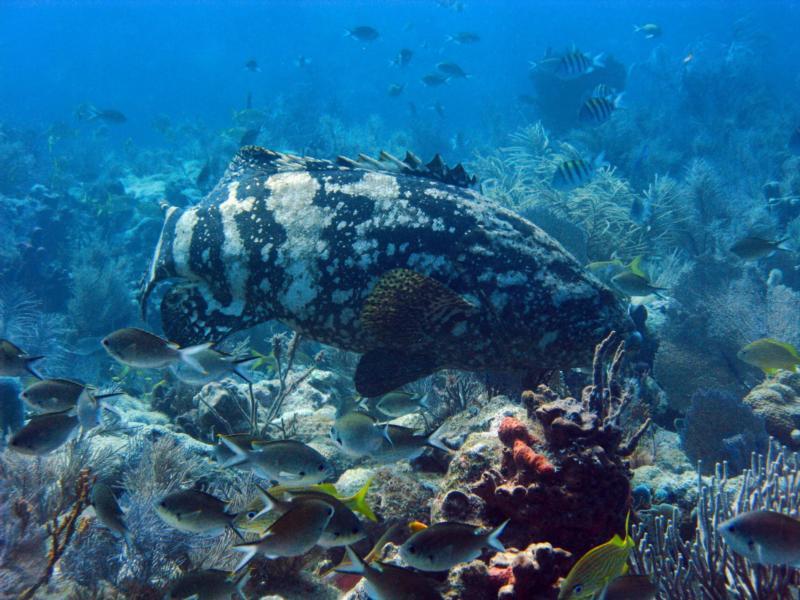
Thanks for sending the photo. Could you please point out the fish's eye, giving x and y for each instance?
(732, 529)
(355, 530)
(751, 544)
(105, 342)
(338, 440)
(412, 550)
(321, 468)
(251, 514)
(577, 589)
(302, 473)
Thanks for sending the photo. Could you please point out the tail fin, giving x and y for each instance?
(600, 161)
(360, 500)
(239, 362)
(188, 356)
(270, 502)
(617, 101)
(493, 538)
(356, 566)
(29, 368)
(599, 61)
(243, 579)
(435, 440)
(249, 551)
(240, 456)
(635, 266)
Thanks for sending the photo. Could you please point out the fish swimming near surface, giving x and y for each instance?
(629, 587)
(576, 64)
(403, 57)
(434, 79)
(208, 584)
(451, 69)
(15, 362)
(599, 566)
(395, 89)
(109, 512)
(252, 66)
(390, 258)
(650, 30)
(444, 545)
(765, 537)
(389, 582)
(45, 433)
(464, 37)
(363, 33)
(770, 355)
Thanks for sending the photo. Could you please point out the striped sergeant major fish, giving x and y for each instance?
(575, 64)
(577, 172)
(598, 109)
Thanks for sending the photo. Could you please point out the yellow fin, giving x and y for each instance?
(635, 266)
(360, 502)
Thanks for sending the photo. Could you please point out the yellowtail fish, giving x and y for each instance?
(605, 270)
(599, 566)
(109, 512)
(44, 433)
(14, 362)
(575, 64)
(764, 537)
(631, 284)
(356, 502)
(576, 172)
(144, 350)
(770, 355)
(389, 582)
(208, 584)
(293, 534)
(343, 529)
(358, 434)
(630, 587)
(754, 248)
(284, 461)
(444, 545)
(194, 511)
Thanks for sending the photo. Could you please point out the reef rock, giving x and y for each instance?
(777, 401)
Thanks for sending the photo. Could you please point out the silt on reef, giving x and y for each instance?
(564, 493)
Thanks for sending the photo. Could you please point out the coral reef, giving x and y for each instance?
(709, 438)
(541, 480)
(702, 567)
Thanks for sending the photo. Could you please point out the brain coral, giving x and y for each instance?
(777, 401)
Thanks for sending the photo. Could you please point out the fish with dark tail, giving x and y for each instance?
(394, 259)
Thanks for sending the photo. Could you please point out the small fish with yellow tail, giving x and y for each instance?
(356, 502)
(598, 567)
(754, 248)
(770, 355)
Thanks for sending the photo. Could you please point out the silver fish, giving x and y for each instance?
(208, 584)
(109, 512)
(764, 537)
(144, 350)
(389, 582)
(194, 511)
(444, 545)
(44, 433)
(14, 362)
(284, 461)
(357, 433)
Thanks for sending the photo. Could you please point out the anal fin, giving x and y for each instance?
(383, 370)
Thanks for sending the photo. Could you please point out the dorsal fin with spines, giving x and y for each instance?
(436, 169)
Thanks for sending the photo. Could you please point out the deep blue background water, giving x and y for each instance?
(186, 59)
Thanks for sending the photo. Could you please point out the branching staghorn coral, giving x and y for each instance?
(704, 568)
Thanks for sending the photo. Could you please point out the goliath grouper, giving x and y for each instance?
(396, 260)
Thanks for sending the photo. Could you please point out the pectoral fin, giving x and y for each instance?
(410, 311)
(383, 370)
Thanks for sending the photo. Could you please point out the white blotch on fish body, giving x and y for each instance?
(291, 201)
(184, 231)
(234, 253)
(376, 186)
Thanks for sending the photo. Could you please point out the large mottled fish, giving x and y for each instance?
(394, 259)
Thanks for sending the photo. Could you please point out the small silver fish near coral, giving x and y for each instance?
(215, 364)
(109, 512)
(208, 584)
(52, 395)
(284, 461)
(293, 534)
(399, 403)
(390, 582)
(754, 248)
(363, 33)
(404, 443)
(44, 433)
(765, 537)
(144, 350)
(358, 433)
(195, 511)
(444, 545)
(15, 362)
(650, 30)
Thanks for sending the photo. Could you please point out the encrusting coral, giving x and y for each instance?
(569, 487)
